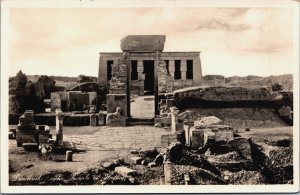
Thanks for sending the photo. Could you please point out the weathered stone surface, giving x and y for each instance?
(125, 171)
(143, 43)
(116, 118)
(207, 121)
(136, 160)
(204, 96)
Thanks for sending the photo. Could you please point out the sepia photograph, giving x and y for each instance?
(181, 96)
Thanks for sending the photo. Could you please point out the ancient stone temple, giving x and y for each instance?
(175, 70)
(144, 69)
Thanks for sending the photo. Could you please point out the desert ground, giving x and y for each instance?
(97, 145)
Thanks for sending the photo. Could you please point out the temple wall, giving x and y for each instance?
(137, 86)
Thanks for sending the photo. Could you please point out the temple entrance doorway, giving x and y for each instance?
(149, 77)
(142, 106)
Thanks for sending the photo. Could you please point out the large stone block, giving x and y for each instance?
(207, 121)
(125, 172)
(143, 43)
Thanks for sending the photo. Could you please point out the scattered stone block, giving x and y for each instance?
(69, 156)
(11, 135)
(32, 147)
(207, 121)
(152, 153)
(108, 165)
(136, 160)
(125, 171)
(152, 164)
(25, 136)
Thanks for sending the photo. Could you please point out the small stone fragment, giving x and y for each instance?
(136, 160)
(152, 164)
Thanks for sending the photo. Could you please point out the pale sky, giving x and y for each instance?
(235, 41)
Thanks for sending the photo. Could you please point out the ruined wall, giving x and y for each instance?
(117, 96)
(239, 118)
(78, 101)
(102, 73)
(226, 97)
(163, 77)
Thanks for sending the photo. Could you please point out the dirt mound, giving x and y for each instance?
(237, 117)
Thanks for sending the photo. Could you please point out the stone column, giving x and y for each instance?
(168, 172)
(183, 69)
(174, 119)
(172, 68)
(59, 127)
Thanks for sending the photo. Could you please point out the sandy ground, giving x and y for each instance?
(24, 163)
(142, 107)
(98, 144)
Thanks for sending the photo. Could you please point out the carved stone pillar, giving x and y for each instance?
(59, 127)
(183, 69)
(174, 119)
(172, 68)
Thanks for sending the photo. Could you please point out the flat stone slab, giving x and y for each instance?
(143, 43)
(136, 160)
(125, 171)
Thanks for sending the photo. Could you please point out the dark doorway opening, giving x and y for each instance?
(149, 77)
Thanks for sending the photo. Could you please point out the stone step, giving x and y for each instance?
(139, 121)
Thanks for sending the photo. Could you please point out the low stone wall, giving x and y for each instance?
(226, 97)
(49, 119)
(237, 117)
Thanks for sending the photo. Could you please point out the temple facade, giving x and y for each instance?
(180, 69)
